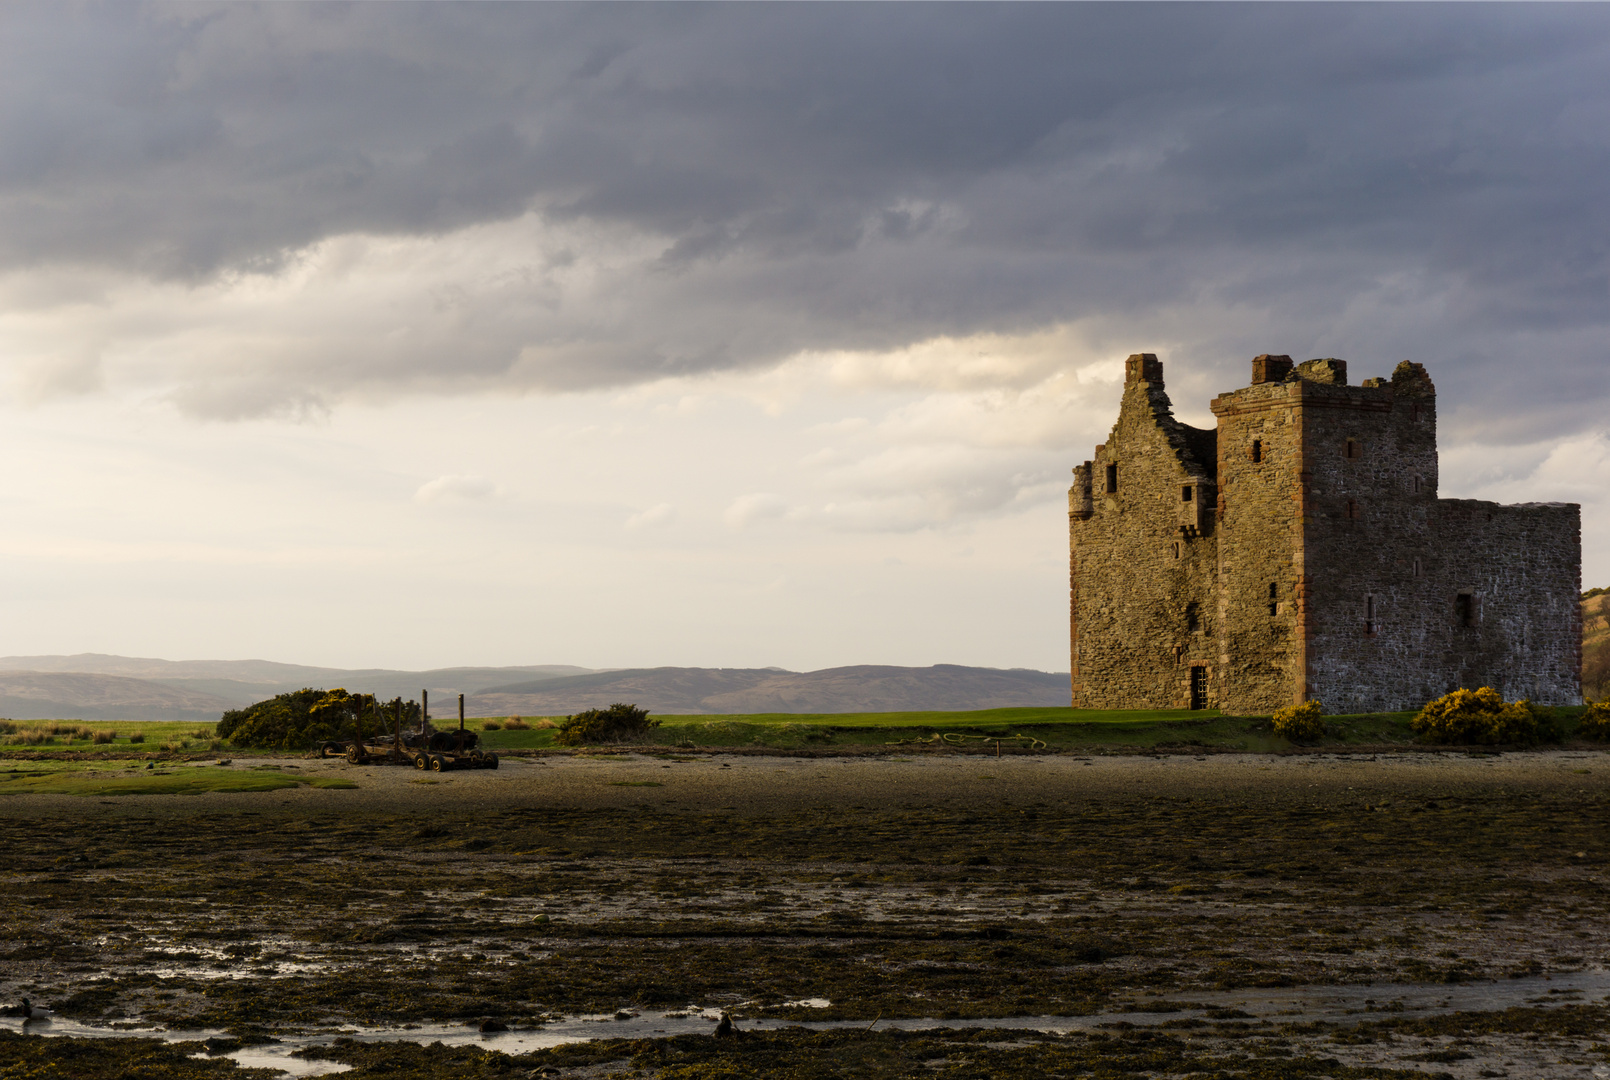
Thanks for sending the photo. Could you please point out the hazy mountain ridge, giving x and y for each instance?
(56, 695)
(859, 688)
(202, 690)
(205, 688)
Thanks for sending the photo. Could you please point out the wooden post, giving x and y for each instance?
(424, 710)
(461, 723)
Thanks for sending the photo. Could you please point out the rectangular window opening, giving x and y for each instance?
(1257, 450)
(1185, 493)
(1193, 616)
(1414, 484)
(1464, 610)
(1176, 549)
(1353, 513)
(1198, 687)
(1274, 601)
(1369, 614)
(1353, 450)
(1112, 479)
(1419, 570)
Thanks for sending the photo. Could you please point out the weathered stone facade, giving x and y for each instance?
(1299, 551)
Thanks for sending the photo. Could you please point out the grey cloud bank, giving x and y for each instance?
(694, 189)
(740, 334)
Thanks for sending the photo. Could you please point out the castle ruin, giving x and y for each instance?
(1298, 551)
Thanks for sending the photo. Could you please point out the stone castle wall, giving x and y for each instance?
(1325, 566)
(1143, 573)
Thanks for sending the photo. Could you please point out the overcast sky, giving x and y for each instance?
(415, 335)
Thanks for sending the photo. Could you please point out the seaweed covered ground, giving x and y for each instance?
(1145, 901)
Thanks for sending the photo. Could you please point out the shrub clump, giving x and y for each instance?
(305, 718)
(1484, 717)
(618, 723)
(1595, 722)
(1301, 723)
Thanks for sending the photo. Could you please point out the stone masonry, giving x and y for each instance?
(1298, 551)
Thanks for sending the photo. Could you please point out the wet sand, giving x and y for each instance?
(760, 785)
(1150, 901)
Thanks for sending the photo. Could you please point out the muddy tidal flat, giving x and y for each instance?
(945, 915)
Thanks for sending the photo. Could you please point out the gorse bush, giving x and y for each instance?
(1484, 717)
(516, 724)
(305, 718)
(1301, 723)
(618, 723)
(1595, 722)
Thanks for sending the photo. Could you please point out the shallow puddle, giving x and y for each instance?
(1310, 1004)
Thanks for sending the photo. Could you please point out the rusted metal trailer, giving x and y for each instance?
(423, 749)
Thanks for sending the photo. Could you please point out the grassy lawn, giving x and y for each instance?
(1049, 727)
(151, 736)
(136, 778)
(1055, 728)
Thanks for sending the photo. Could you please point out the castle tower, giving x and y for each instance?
(1299, 551)
(1144, 558)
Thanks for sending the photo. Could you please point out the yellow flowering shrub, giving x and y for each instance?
(1301, 723)
(1483, 717)
(1595, 723)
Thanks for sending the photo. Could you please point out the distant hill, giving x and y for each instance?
(51, 695)
(241, 682)
(93, 686)
(1596, 645)
(863, 688)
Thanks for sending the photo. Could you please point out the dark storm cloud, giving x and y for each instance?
(817, 176)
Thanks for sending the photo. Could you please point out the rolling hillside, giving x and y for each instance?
(863, 688)
(234, 683)
(51, 695)
(1596, 645)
